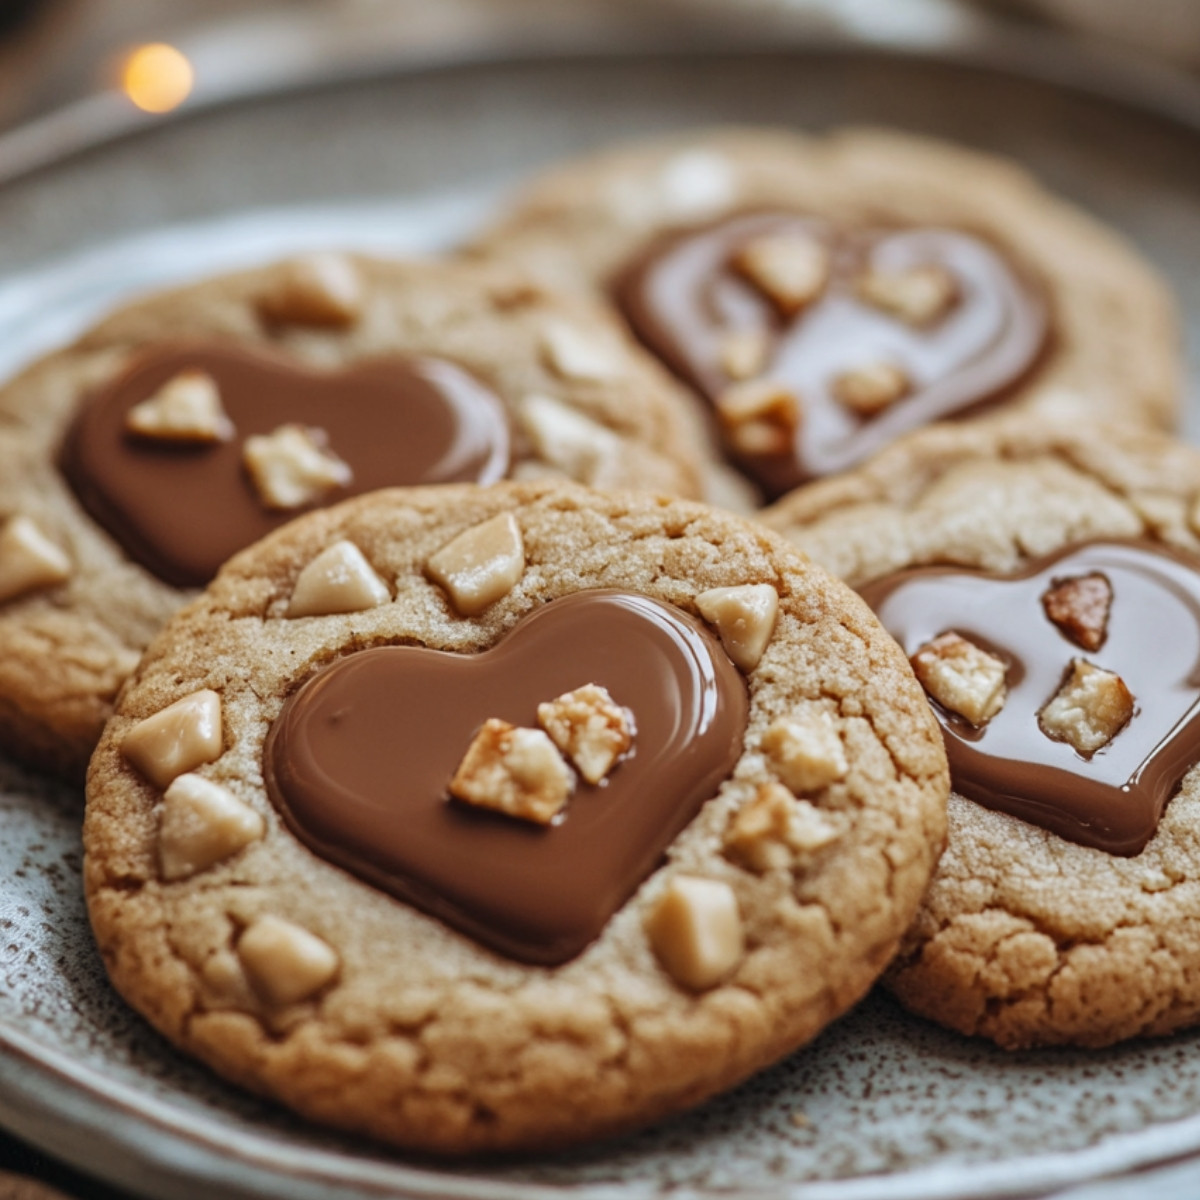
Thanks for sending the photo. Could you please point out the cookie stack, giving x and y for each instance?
(502, 788)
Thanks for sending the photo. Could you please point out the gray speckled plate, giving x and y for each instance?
(881, 1106)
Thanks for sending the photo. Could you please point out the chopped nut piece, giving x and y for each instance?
(570, 442)
(744, 353)
(759, 416)
(182, 737)
(481, 565)
(284, 962)
(202, 824)
(1080, 607)
(962, 677)
(187, 408)
(338, 580)
(589, 729)
(869, 390)
(318, 289)
(777, 830)
(1089, 710)
(574, 354)
(790, 269)
(695, 930)
(919, 295)
(293, 466)
(744, 617)
(28, 559)
(805, 751)
(514, 771)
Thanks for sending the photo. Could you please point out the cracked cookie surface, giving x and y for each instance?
(770, 913)
(1024, 937)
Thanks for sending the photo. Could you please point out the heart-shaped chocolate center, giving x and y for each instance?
(360, 758)
(686, 296)
(1113, 798)
(182, 510)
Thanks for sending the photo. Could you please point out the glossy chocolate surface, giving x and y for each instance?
(182, 510)
(359, 759)
(683, 295)
(1112, 800)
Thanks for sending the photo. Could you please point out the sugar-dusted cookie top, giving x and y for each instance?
(186, 426)
(497, 818)
(1046, 583)
(826, 295)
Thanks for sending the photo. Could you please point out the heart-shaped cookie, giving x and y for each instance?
(360, 758)
(181, 509)
(1128, 611)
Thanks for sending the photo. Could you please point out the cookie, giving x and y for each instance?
(186, 426)
(593, 805)
(827, 294)
(1045, 581)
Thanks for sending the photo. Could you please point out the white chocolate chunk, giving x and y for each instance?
(805, 751)
(29, 560)
(790, 269)
(868, 390)
(202, 824)
(589, 729)
(338, 580)
(481, 565)
(759, 416)
(284, 963)
(962, 677)
(187, 408)
(293, 466)
(695, 931)
(919, 295)
(744, 353)
(317, 289)
(777, 830)
(179, 738)
(570, 442)
(574, 354)
(1089, 710)
(744, 617)
(514, 771)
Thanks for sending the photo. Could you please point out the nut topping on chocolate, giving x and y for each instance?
(187, 408)
(790, 269)
(29, 560)
(744, 353)
(919, 296)
(1079, 607)
(294, 466)
(962, 677)
(1089, 710)
(481, 565)
(869, 390)
(759, 417)
(589, 728)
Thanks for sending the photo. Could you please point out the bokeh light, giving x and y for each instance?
(157, 78)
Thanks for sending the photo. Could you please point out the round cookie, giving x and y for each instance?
(827, 294)
(467, 372)
(1056, 573)
(691, 918)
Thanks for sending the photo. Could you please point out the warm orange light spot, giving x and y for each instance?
(157, 78)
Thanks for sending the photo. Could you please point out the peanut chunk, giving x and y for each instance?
(29, 560)
(187, 408)
(318, 289)
(284, 962)
(777, 830)
(805, 751)
(962, 677)
(589, 729)
(338, 580)
(1079, 606)
(695, 931)
(759, 416)
(515, 771)
(202, 824)
(919, 295)
(744, 352)
(1089, 710)
(790, 269)
(293, 466)
(481, 565)
(573, 354)
(744, 617)
(869, 390)
(181, 737)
